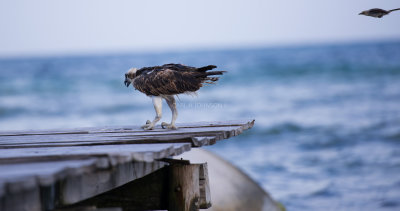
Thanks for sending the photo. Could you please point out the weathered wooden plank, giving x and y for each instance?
(204, 141)
(23, 170)
(71, 140)
(89, 141)
(18, 177)
(84, 181)
(116, 153)
(185, 132)
(246, 124)
(44, 132)
(182, 135)
(36, 175)
(188, 134)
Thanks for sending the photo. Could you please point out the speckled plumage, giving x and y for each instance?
(172, 79)
(163, 82)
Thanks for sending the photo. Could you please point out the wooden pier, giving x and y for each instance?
(124, 168)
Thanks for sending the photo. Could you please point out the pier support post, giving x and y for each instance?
(188, 187)
(184, 193)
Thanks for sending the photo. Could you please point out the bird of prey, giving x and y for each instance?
(377, 13)
(166, 81)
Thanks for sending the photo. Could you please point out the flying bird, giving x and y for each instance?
(377, 13)
(166, 81)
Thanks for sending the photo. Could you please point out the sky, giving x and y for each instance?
(48, 27)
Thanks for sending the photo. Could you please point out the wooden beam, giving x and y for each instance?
(147, 193)
(179, 186)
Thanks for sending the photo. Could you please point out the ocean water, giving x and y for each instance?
(327, 131)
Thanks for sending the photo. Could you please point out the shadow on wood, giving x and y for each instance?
(179, 186)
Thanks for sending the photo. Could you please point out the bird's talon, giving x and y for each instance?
(148, 122)
(144, 126)
(165, 125)
(148, 127)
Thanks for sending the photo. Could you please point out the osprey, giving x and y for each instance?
(377, 13)
(166, 81)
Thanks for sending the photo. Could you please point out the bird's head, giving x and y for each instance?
(364, 12)
(129, 76)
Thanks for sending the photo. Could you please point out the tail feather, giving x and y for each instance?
(205, 76)
(205, 68)
(212, 78)
(393, 10)
(215, 73)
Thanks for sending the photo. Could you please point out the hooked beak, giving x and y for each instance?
(127, 83)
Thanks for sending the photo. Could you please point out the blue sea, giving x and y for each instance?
(327, 130)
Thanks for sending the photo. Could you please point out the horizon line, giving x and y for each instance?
(150, 50)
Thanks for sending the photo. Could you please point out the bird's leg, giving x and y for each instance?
(157, 102)
(172, 105)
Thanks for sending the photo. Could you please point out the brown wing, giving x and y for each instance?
(165, 81)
